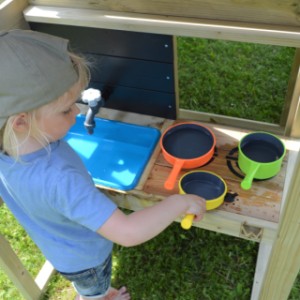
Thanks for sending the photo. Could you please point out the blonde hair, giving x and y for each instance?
(8, 139)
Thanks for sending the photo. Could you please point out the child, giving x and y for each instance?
(43, 181)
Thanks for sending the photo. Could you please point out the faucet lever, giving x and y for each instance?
(91, 96)
(94, 99)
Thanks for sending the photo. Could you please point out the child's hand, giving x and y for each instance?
(196, 206)
(142, 225)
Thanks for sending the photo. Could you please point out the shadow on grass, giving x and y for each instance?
(187, 265)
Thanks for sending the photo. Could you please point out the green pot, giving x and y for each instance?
(260, 156)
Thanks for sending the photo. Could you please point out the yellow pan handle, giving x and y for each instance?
(187, 221)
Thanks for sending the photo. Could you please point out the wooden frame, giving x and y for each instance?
(267, 22)
(266, 285)
(30, 288)
(275, 34)
(290, 116)
(11, 14)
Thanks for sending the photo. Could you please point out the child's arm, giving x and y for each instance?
(141, 226)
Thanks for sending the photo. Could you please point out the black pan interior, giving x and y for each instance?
(203, 184)
(187, 141)
(262, 147)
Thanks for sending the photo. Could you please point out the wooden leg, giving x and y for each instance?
(44, 275)
(15, 270)
(290, 118)
(29, 288)
(263, 256)
(284, 263)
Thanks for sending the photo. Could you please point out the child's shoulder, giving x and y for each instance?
(65, 159)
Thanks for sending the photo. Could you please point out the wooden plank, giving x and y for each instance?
(11, 14)
(284, 263)
(128, 117)
(44, 275)
(139, 101)
(119, 43)
(283, 12)
(162, 24)
(176, 75)
(295, 130)
(291, 115)
(264, 252)
(229, 121)
(132, 73)
(217, 220)
(15, 270)
(152, 160)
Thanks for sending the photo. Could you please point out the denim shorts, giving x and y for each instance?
(92, 282)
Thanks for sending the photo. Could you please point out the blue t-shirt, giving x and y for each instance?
(54, 198)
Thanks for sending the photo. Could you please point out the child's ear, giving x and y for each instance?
(20, 123)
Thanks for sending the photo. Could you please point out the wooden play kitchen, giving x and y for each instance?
(268, 211)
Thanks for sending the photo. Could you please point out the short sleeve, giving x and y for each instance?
(80, 201)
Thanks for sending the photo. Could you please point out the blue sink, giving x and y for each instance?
(116, 153)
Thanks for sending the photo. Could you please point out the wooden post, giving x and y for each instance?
(265, 248)
(29, 287)
(284, 263)
(15, 270)
(291, 115)
(11, 15)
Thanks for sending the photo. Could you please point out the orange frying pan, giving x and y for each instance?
(186, 145)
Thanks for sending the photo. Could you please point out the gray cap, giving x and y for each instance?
(35, 69)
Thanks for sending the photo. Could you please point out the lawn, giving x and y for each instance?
(234, 79)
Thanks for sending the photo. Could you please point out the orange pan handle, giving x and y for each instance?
(170, 182)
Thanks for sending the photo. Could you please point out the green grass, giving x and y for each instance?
(187, 265)
(23, 247)
(234, 79)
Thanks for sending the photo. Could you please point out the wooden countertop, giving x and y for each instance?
(262, 201)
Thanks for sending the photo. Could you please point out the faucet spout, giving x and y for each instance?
(95, 101)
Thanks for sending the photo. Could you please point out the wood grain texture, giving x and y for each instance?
(252, 31)
(283, 12)
(284, 263)
(262, 201)
(15, 270)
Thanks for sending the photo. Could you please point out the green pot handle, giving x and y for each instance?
(247, 181)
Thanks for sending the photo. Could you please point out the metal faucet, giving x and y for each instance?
(94, 100)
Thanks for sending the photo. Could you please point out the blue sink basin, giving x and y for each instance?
(116, 153)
